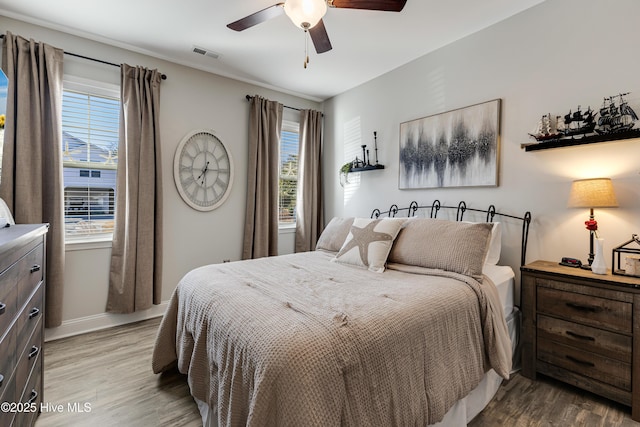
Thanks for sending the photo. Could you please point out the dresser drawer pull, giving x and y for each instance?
(580, 362)
(3, 307)
(35, 268)
(35, 311)
(580, 337)
(579, 307)
(32, 397)
(1, 379)
(34, 352)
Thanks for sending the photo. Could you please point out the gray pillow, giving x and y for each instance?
(334, 234)
(459, 247)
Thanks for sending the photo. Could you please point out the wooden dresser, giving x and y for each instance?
(22, 268)
(584, 329)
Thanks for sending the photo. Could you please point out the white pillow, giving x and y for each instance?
(495, 245)
(369, 242)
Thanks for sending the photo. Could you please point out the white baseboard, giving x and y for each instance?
(100, 321)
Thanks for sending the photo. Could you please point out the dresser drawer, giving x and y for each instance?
(28, 318)
(609, 344)
(17, 283)
(30, 355)
(31, 397)
(587, 309)
(32, 270)
(603, 369)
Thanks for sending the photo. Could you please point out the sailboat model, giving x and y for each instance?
(579, 123)
(616, 118)
(547, 128)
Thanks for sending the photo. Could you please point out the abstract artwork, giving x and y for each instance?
(458, 148)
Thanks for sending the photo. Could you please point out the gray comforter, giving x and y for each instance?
(297, 340)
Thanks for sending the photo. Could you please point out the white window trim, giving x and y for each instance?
(90, 86)
(94, 87)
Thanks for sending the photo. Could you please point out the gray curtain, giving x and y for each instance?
(261, 219)
(135, 277)
(309, 209)
(31, 183)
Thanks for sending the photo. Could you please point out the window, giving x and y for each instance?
(90, 122)
(288, 184)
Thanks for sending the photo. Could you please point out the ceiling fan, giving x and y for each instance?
(307, 14)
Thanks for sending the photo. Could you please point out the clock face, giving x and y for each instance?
(203, 170)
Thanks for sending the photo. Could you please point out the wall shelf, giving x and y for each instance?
(591, 139)
(367, 168)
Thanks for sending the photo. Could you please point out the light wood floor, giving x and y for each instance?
(111, 371)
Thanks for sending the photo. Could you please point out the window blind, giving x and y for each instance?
(288, 185)
(90, 125)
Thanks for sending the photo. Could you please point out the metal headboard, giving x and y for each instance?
(436, 206)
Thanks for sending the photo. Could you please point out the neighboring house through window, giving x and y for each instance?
(90, 122)
(288, 184)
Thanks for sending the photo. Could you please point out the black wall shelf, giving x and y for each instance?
(367, 168)
(590, 139)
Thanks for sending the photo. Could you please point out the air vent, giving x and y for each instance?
(205, 52)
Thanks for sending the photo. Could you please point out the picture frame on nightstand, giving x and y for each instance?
(631, 261)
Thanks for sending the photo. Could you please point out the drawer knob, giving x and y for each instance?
(580, 337)
(3, 307)
(580, 362)
(587, 308)
(35, 268)
(34, 312)
(34, 352)
(32, 397)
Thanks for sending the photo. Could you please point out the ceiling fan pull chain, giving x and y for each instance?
(306, 48)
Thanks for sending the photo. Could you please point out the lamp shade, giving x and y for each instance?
(305, 13)
(592, 193)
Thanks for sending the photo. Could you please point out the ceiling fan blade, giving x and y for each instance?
(258, 17)
(320, 38)
(383, 5)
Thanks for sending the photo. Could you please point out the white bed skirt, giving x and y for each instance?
(463, 411)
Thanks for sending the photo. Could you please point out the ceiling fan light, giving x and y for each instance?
(305, 13)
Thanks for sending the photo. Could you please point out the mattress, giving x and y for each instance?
(503, 278)
(470, 406)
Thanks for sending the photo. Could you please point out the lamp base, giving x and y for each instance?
(585, 267)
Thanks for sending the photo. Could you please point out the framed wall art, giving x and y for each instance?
(458, 148)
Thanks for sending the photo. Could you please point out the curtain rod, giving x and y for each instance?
(164, 76)
(249, 98)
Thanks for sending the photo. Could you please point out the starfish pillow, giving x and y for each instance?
(369, 242)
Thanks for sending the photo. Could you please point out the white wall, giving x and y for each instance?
(190, 99)
(551, 58)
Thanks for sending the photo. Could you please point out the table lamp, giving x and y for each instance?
(592, 193)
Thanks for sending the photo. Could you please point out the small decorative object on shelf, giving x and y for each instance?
(361, 165)
(616, 121)
(366, 163)
(631, 261)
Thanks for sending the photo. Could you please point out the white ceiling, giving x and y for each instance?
(365, 43)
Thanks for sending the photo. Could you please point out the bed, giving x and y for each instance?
(374, 327)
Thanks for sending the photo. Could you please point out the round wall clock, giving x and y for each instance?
(203, 170)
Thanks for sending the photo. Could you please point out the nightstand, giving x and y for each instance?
(583, 329)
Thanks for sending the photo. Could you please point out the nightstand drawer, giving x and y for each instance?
(605, 343)
(604, 369)
(590, 310)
